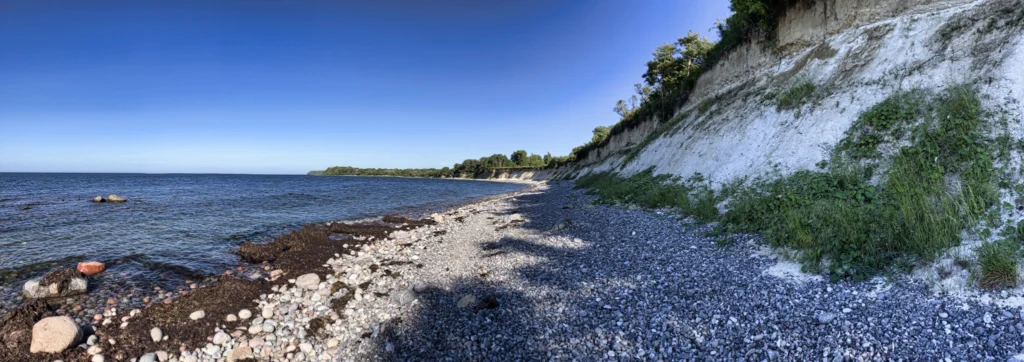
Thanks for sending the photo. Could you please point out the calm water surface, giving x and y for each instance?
(175, 227)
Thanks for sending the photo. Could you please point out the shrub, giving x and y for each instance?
(998, 262)
(885, 121)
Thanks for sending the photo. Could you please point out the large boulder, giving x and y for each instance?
(91, 268)
(98, 199)
(115, 198)
(54, 334)
(60, 283)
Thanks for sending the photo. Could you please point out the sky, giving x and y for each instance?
(284, 87)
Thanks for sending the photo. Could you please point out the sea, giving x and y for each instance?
(181, 227)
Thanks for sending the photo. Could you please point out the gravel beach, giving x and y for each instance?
(546, 275)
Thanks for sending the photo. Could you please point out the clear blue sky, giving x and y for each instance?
(291, 86)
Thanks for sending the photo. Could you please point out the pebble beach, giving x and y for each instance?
(542, 274)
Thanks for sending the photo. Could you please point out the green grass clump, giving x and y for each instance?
(998, 262)
(795, 96)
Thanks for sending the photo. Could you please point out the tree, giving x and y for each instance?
(621, 108)
(600, 134)
(547, 158)
(519, 157)
(676, 62)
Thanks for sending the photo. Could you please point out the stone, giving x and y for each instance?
(98, 199)
(255, 329)
(54, 334)
(488, 302)
(230, 318)
(91, 268)
(466, 301)
(240, 353)
(98, 358)
(156, 334)
(148, 357)
(403, 297)
(267, 312)
(94, 350)
(438, 218)
(306, 347)
(419, 287)
(308, 281)
(277, 273)
(268, 328)
(212, 350)
(244, 314)
(115, 198)
(825, 318)
(162, 356)
(221, 338)
(60, 283)
(197, 315)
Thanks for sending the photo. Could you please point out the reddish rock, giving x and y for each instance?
(91, 267)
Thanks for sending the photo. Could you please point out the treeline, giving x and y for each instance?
(673, 73)
(519, 159)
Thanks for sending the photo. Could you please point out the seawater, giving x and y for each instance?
(176, 227)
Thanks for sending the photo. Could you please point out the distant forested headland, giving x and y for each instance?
(469, 168)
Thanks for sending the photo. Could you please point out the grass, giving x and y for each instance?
(692, 197)
(935, 187)
(795, 96)
(886, 121)
(998, 263)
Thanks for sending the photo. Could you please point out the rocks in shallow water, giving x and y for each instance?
(60, 283)
(197, 315)
(91, 268)
(156, 334)
(466, 301)
(419, 287)
(115, 198)
(98, 199)
(54, 334)
(308, 281)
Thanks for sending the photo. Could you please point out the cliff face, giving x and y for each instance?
(855, 53)
(522, 174)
